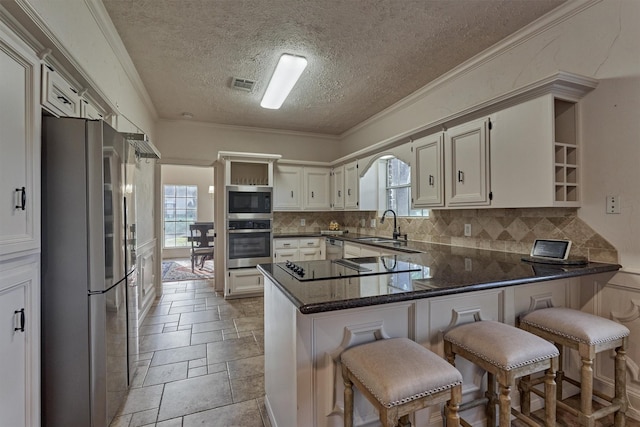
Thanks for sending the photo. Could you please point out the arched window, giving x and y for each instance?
(398, 188)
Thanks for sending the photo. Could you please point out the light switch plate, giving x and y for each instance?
(467, 230)
(303, 222)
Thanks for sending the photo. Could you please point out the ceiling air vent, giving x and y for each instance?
(242, 84)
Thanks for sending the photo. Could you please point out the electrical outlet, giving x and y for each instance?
(467, 230)
(613, 204)
(373, 223)
(303, 222)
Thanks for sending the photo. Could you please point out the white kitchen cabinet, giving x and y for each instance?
(337, 188)
(427, 172)
(20, 344)
(20, 142)
(534, 154)
(88, 110)
(287, 188)
(302, 188)
(303, 249)
(351, 186)
(59, 96)
(243, 282)
(467, 155)
(317, 188)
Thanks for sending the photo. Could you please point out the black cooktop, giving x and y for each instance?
(306, 271)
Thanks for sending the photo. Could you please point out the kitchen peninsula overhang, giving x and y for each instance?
(440, 270)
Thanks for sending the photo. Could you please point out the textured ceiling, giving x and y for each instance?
(363, 55)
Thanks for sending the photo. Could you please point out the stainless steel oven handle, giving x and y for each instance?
(250, 230)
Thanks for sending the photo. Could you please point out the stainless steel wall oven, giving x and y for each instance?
(248, 242)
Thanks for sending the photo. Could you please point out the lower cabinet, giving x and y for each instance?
(303, 381)
(19, 345)
(294, 249)
(243, 282)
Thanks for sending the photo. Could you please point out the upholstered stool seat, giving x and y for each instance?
(399, 376)
(506, 353)
(589, 335)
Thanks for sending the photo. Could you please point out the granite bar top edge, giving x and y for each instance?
(327, 306)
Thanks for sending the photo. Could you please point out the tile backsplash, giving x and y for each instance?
(506, 230)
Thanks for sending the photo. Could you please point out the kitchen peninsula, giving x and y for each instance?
(311, 318)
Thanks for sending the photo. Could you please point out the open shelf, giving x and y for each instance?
(565, 151)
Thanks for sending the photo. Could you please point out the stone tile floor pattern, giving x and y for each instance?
(201, 362)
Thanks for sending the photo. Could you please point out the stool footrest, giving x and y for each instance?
(473, 403)
(525, 419)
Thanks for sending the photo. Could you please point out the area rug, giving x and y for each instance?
(180, 269)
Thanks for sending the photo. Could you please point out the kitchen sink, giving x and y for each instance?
(373, 239)
(376, 239)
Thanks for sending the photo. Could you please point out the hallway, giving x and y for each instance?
(201, 362)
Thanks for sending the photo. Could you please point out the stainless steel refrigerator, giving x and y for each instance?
(88, 267)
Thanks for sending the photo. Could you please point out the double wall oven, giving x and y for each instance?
(248, 220)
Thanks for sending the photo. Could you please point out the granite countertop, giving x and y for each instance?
(443, 270)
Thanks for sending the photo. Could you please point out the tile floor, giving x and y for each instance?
(201, 362)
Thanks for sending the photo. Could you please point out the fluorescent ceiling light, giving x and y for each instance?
(287, 73)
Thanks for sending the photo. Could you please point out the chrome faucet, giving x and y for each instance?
(396, 231)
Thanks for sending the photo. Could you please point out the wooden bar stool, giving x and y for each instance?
(506, 353)
(399, 376)
(589, 335)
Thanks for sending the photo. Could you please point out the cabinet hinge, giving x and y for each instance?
(229, 274)
(490, 125)
(412, 149)
(490, 195)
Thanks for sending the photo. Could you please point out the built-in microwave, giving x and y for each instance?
(246, 201)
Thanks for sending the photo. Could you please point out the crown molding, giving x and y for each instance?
(102, 19)
(544, 23)
(563, 85)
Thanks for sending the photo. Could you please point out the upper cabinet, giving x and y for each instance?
(427, 172)
(287, 187)
(20, 141)
(524, 153)
(254, 169)
(351, 186)
(467, 157)
(534, 154)
(337, 188)
(301, 187)
(452, 168)
(317, 188)
(59, 96)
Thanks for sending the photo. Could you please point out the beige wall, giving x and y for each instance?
(185, 142)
